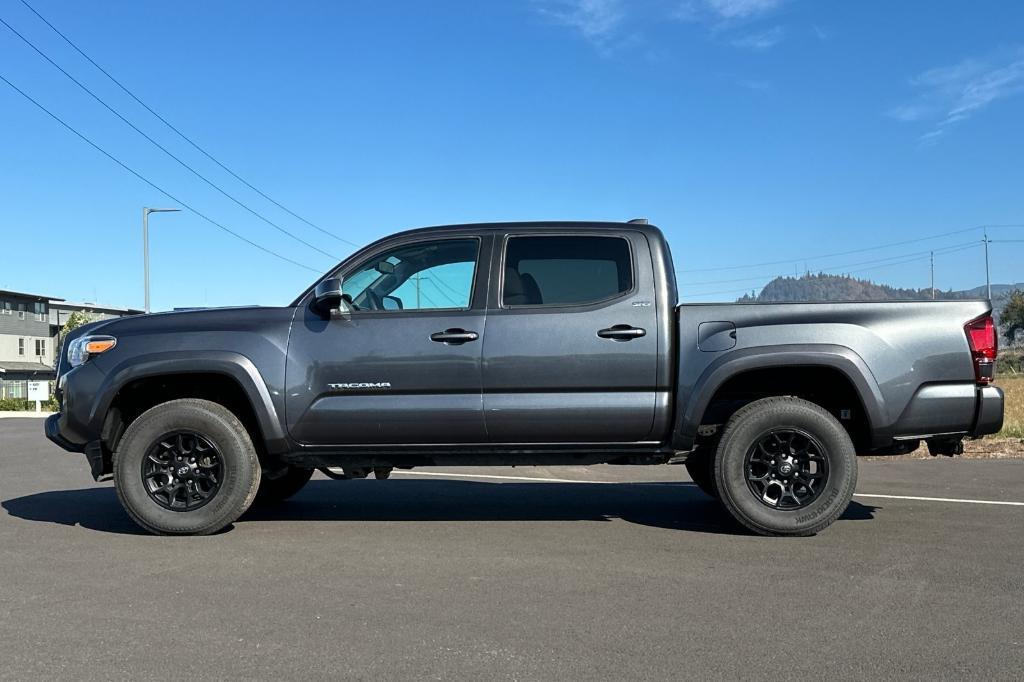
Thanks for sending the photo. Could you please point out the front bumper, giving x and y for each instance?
(99, 460)
(53, 433)
(990, 411)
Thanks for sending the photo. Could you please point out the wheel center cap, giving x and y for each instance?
(183, 471)
(786, 468)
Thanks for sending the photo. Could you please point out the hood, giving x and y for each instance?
(191, 322)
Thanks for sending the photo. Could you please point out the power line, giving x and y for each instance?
(151, 183)
(183, 135)
(852, 251)
(166, 151)
(441, 291)
(832, 270)
(758, 278)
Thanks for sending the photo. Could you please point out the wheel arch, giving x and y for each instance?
(749, 369)
(228, 378)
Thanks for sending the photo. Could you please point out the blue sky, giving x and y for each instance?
(751, 131)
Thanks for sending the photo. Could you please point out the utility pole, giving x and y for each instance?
(988, 280)
(417, 291)
(145, 245)
(933, 273)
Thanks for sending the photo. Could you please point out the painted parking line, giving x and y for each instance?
(538, 479)
(942, 499)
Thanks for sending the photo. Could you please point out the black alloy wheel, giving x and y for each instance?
(182, 471)
(786, 468)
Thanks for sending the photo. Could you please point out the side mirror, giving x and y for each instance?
(392, 303)
(328, 297)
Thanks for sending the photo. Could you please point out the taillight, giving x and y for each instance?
(984, 343)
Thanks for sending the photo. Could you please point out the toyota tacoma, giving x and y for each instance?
(519, 344)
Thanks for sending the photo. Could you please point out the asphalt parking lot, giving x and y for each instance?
(596, 572)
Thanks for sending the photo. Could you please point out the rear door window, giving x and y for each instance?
(565, 270)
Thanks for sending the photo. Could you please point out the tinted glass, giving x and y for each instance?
(565, 270)
(426, 276)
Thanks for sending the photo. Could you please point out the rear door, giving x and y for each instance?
(404, 367)
(571, 348)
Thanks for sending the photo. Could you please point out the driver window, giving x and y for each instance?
(433, 275)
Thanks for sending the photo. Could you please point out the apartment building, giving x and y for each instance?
(30, 335)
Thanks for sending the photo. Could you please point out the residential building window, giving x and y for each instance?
(21, 346)
(6, 308)
(21, 311)
(40, 347)
(39, 308)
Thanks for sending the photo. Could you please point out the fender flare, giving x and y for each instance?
(694, 402)
(227, 363)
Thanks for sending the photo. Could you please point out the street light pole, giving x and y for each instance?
(145, 244)
(933, 274)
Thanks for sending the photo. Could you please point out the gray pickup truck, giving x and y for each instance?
(518, 344)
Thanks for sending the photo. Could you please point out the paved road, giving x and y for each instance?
(423, 577)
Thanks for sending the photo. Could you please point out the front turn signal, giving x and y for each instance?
(101, 345)
(85, 347)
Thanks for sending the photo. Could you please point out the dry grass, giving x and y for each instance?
(1013, 416)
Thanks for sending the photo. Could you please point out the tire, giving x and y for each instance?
(279, 488)
(160, 435)
(754, 442)
(700, 466)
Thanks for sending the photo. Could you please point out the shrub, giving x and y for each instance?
(1009, 363)
(23, 405)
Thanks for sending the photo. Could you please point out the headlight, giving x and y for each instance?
(84, 347)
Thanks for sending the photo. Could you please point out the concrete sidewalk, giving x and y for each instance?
(22, 415)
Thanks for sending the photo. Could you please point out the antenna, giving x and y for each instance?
(988, 280)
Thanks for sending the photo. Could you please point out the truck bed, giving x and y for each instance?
(908, 362)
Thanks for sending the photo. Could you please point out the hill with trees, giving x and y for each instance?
(826, 287)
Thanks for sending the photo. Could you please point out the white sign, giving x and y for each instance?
(39, 390)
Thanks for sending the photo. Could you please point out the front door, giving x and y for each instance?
(571, 348)
(404, 366)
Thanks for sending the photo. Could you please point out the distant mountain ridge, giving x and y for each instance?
(825, 287)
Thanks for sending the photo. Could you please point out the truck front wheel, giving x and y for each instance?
(785, 466)
(186, 467)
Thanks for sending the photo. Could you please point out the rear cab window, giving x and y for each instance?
(565, 270)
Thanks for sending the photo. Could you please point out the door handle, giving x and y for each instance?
(454, 336)
(622, 332)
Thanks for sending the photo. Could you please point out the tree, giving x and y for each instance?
(75, 320)
(1011, 320)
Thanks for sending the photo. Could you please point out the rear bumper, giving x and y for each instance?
(990, 411)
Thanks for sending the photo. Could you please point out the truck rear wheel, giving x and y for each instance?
(785, 466)
(186, 467)
(279, 487)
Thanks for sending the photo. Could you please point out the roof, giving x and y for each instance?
(96, 307)
(15, 366)
(25, 294)
(552, 225)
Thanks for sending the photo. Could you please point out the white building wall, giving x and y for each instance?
(9, 349)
